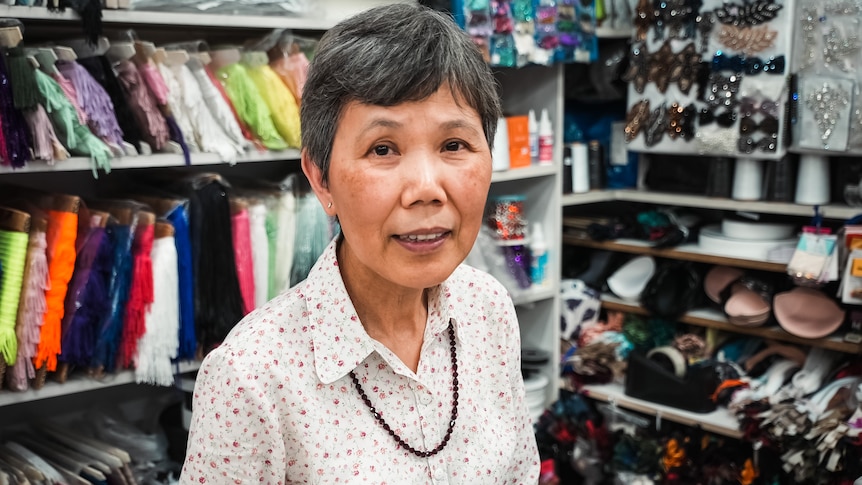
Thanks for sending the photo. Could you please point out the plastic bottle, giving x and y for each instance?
(538, 256)
(533, 128)
(546, 140)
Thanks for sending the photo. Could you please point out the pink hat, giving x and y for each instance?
(807, 313)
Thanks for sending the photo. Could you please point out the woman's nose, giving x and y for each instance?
(424, 177)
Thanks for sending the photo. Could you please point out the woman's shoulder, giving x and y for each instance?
(279, 316)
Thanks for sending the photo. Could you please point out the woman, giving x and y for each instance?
(393, 362)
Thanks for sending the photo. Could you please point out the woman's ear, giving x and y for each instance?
(315, 177)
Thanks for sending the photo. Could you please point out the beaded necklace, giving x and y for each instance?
(454, 415)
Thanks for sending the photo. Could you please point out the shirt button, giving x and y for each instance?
(440, 475)
(425, 398)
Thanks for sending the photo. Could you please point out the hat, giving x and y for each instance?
(807, 313)
(630, 279)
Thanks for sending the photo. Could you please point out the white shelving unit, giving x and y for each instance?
(523, 89)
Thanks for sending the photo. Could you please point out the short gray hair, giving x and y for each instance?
(385, 56)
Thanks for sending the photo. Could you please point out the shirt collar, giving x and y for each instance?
(339, 339)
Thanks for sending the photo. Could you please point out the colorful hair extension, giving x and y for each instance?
(259, 252)
(156, 84)
(179, 218)
(111, 325)
(13, 257)
(71, 94)
(140, 294)
(159, 343)
(218, 303)
(46, 146)
(87, 300)
(15, 142)
(281, 103)
(285, 241)
(62, 232)
(74, 136)
(250, 105)
(31, 311)
(220, 102)
(100, 68)
(211, 136)
(95, 102)
(175, 98)
(149, 118)
(242, 253)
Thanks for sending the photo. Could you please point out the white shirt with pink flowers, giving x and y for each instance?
(275, 404)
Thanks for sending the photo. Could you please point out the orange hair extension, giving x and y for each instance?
(674, 455)
(748, 474)
(62, 232)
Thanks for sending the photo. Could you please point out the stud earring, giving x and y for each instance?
(329, 205)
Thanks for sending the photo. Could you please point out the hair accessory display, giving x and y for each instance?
(705, 23)
(827, 104)
(507, 218)
(768, 125)
(722, 90)
(808, 24)
(643, 19)
(636, 118)
(839, 48)
(681, 122)
(678, 16)
(749, 106)
(685, 68)
(748, 65)
(725, 119)
(657, 125)
(747, 144)
(638, 66)
(747, 40)
(748, 13)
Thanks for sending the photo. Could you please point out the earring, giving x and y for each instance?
(329, 205)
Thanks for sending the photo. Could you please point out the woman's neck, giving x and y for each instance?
(393, 315)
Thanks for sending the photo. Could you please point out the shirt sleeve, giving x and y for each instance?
(524, 468)
(234, 435)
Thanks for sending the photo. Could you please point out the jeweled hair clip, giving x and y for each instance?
(826, 103)
(656, 126)
(748, 64)
(722, 90)
(748, 13)
(636, 118)
(638, 66)
(747, 40)
(681, 121)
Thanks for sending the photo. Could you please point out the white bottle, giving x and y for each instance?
(546, 140)
(533, 128)
(538, 256)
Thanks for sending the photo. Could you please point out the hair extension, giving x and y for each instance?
(62, 232)
(281, 102)
(88, 298)
(176, 94)
(143, 106)
(90, 12)
(46, 146)
(285, 215)
(211, 136)
(13, 258)
(100, 68)
(312, 240)
(223, 108)
(259, 252)
(244, 262)
(111, 324)
(71, 94)
(179, 218)
(159, 90)
(218, 303)
(31, 311)
(14, 138)
(94, 101)
(74, 136)
(159, 343)
(140, 294)
(250, 105)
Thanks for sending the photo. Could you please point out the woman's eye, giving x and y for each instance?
(453, 146)
(381, 150)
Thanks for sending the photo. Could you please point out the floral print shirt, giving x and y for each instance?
(275, 403)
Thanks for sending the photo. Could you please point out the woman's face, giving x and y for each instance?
(408, 184)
